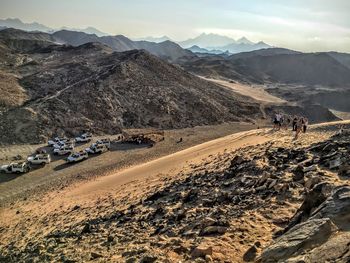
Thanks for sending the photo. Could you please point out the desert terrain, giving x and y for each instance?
(222, 185)
(223, 200)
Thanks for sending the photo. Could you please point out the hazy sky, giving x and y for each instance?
(307, 25)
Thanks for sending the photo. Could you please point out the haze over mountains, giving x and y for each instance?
(18, 24)
(210, 43)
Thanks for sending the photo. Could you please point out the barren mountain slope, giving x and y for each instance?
(290, 68)
(79, 88)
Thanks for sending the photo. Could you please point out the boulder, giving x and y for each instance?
(250, 254)
(301, 237)
(213, 230)
(312, 200)
(336, 207)
(202, 251)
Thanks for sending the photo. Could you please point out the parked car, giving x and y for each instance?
(77, 157)
(52, 142)
(63, 143)
(39, 159)
(97, 148)
(106, 142)
(86, 137)
(22, 167)
(65, 149)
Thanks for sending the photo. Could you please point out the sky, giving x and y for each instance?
(305, 25)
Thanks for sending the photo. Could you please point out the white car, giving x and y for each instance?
(66, 149)
(106, 142)
(39, 159)
(60, 144)
(56, 140)
(86, 137)
(97, 148)
(22, 167)
(77, 157)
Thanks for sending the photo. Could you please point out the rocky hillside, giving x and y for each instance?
(275, 66)
(133, 89)
(280, 201)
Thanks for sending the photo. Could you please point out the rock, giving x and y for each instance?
(208, 258)
(298, 173)
(344, 170)
(86, 229)
(208, 221)
(335, 163)
(237, 160)
(310, 168)
(95, 255)
(301, 237)
(250, 254)
(202, 251)
(131, 260)
(311, 201)
(336, 249)
(148, 259)
(213, 230)
(311, 181)
(336, 207)
(76, 207)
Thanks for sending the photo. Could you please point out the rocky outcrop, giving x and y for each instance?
(300, 238)
(318, 230)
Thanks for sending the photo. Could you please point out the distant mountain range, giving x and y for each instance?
(27, 41)
(209, 43)
(214, 44)
(18, 24)
(154, 39)
(197, 49)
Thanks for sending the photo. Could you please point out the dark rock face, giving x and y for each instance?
(310, 234)
(336, 208)
(304, 236)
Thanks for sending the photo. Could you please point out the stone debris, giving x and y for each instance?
(227, 210)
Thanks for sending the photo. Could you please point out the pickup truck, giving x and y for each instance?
(22, 167)
(56, 140)
(106, 142)
(86, 137)
(97, 148)
(39, 159)
(66, 149)
(77, 157)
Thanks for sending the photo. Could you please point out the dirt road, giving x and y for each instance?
(171, 164)
(255, 92)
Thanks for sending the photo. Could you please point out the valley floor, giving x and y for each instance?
(162, 210)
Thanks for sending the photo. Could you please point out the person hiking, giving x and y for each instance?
(294, 123)
(298, 128)
(277, 121)
(305, 124)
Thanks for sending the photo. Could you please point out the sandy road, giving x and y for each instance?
(255, 92)
(169, 165)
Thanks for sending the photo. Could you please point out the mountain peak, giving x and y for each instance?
(244, 40)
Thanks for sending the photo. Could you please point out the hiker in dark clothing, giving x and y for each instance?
(305, 122)
(294, 124)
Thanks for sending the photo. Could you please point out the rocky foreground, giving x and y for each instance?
(281, 201)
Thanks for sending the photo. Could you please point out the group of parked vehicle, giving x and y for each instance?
(61, 146)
